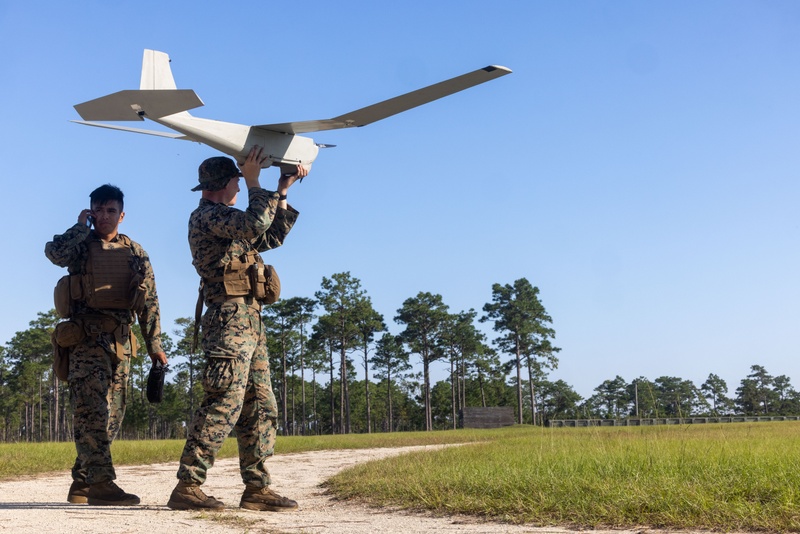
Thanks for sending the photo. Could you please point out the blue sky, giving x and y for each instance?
(639, 166)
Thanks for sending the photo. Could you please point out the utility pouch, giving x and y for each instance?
(273, 285)
(60, 360)
(258, 281)
(236, 278)
(76, 287)
(68, 334)
(265, 283)
(62, 297)
(122, 334)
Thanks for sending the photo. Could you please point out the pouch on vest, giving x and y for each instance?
(62, 298)
(265, 282)
(60, 359)
(76, 287)
(68, 334)
(236, 279)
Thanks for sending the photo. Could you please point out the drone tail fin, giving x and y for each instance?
(157, 96)
(156, 72)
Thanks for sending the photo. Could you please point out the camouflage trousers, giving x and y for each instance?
(237, 396)
(97, 383)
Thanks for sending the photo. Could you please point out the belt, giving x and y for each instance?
(248, 300)
(94, 325)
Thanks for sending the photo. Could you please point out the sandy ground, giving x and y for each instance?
(39, 504)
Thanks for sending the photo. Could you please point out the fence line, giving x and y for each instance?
(669, 420)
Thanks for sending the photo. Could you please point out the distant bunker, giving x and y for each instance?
(493, 417)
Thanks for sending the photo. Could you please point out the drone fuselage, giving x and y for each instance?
(236, 140)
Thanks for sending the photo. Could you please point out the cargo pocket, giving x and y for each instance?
(218, 375)
(221, 336)
(262, 385)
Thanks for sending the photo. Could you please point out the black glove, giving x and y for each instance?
(155, 382)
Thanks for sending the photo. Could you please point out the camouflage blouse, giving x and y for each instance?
(218, 233)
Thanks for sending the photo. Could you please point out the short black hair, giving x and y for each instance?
(105, 193)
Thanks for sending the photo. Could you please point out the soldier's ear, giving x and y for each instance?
(121, 216)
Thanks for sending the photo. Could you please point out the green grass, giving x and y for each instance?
(726, 477)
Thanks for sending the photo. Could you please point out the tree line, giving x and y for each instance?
(336, 368)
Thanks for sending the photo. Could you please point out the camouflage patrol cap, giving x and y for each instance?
(215, 172)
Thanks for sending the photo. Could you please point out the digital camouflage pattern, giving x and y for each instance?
(236, 379)
(98, 383)
(97, 378)
(214, 173)
(237, 395)
(218, 233)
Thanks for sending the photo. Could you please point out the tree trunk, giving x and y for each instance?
(294, 403)
(315, 419)
(333, 400)
(427, 393)
(463, 384)
(345, 393)
(41, 419)
(366, 391)
(483, 390)
(284, 388)
(389, 397)
(533, 397)
(304, 421)
(56, 432)
(453, 385)
(533, 400)
(519, 384)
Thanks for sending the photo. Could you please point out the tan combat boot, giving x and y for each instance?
(109, 494)
(78, 492)
(264, 499)
(188, 496)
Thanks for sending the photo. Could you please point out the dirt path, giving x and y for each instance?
(39, 504)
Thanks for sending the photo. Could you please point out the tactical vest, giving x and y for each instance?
(247, 275)
(109, 280)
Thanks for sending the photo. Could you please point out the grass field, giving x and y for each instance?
(723, 477)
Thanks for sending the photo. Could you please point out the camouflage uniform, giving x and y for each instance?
(236, 378)
(98, 379)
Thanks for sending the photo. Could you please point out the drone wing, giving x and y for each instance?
(393, 106)
(136, 130)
